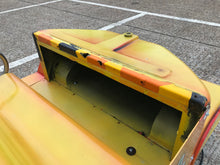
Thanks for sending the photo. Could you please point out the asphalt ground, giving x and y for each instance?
(189, 29)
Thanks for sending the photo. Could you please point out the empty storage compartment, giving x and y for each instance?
(150, 120)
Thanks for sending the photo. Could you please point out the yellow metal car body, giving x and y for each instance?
(105, 98)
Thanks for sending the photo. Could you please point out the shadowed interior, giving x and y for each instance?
(150, 118)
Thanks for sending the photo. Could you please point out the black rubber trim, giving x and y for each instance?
(197, 103)
(71, 49)
(35, 41)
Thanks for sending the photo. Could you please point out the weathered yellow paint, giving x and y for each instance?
(79, 54)
(55, 43)
(112, 71)
(146, 66)
(82, 126)
(37, 34)
(176, 93)
(184, 122)
(145, 58)
(134, 63)
(189, 146)
(117, 42)
(164, 128)
(185, 154)
(88, 110)
(113, 68)
(214, 91)
(33, 78)
(140, 54)
(34, 131)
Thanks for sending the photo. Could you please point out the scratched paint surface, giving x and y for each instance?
(197, 45)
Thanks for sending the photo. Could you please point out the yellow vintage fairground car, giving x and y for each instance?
(105, 98)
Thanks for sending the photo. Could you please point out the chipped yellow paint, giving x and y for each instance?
(79, 53)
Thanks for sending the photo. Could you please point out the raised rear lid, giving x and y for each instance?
(143, 66)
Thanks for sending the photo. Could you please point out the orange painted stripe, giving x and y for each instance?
(97, 61)
(142, 80)
(44, 38)
(40, 69)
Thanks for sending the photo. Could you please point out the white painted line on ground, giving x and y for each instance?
(122, 22)
(108, 6)
(151, 14)
(21, 61)
(30, 6)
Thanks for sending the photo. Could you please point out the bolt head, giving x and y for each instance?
(128, 34)
(131, 151)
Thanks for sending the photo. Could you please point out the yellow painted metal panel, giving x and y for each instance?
(176, 93)
(113, 68)
(184, 123)
(39, 133)
(144, 58)
(139, 54)
(188, 148)
(214, 91)
(90, 114)
(55, 43)
(117, 42)
(143, 66)
(165, 127)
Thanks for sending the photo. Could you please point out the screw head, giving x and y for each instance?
(131, 151)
